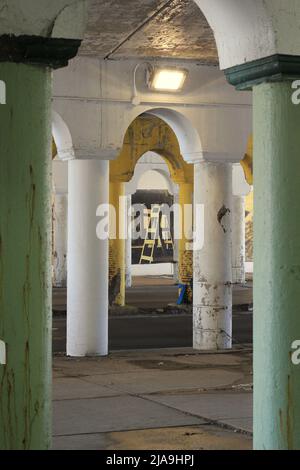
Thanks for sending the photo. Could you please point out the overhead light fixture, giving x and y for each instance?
(166, 79)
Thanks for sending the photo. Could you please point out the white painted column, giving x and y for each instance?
(176, 241)
(212, 313)
(240, 189)
(128, 247)
(60, 239)
(87, 316)
(238, 240)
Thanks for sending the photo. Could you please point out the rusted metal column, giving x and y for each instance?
(212, 324)
(25, 257)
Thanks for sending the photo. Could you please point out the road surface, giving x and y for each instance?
(154, 331)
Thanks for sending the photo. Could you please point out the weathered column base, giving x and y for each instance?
(212, 323)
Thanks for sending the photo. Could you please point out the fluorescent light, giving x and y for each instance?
(171, 79)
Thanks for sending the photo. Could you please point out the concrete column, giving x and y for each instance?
(60, 221)
(87, 319)
(117, 244)
(277, 267)
(176, 242)
(128, 241)
(238, 240)
(25, 258)
(212, 324)
(185, 258)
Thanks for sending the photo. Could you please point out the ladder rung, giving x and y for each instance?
(146, 258)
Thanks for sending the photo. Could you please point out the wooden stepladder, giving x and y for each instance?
(153, 234)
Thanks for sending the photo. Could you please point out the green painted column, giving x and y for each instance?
(25, 257)
(277, 266)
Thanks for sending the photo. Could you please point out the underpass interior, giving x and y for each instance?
(129, 179)
(155, 314)
(155, 388)
(167, 394)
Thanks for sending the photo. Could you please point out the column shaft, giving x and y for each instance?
(212, 263)
(128, 243)
(276, 267)
(185, 257)
(238, 240)
(87, 319)
(25, 257)
(60, 221)
(117, 245)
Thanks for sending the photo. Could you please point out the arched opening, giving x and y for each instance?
(148, 133)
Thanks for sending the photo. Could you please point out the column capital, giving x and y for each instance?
(275, 68)
(220, 157)
(96, 153)
(37, 50)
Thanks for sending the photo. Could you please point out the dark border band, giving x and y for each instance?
(36, 50)
(274, 68)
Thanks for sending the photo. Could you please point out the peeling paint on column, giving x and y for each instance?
(221, 215)
(212, 293)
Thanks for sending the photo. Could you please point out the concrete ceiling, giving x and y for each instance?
(149, 28)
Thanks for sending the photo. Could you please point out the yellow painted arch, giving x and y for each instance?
(54, 149)
(247, 162)
(149, 133)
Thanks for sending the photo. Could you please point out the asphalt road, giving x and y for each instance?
(156, 331)
(142, 331)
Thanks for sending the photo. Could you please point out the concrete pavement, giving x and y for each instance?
(154, 399)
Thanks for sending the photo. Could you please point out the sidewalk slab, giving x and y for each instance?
(229, 408)
(89, 416)
(71, 388)
(149, 381)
